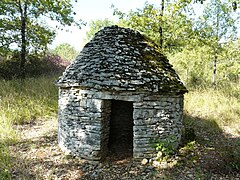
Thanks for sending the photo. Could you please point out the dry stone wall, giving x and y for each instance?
(80, 120)
(118, 64)
(156, 120)
(121, 59)
(84, 117)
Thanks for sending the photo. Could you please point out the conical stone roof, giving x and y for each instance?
(121, 59)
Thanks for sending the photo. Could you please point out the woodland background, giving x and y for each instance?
(203, 48)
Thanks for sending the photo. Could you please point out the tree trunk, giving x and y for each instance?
(187, 72)
(214, 69)
(216, 50)
(23, 11)
(161, 25)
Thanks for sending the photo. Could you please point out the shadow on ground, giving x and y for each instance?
(40, 158)
(214, 154)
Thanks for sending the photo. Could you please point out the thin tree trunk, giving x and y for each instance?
(216, 48)
(187, 76)
(214, 69)
(161, 25)
(23, 11)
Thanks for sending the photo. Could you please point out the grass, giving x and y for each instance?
(36, 98)
(220, 105)
(23, 102)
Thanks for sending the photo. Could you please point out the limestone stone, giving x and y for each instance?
(118, 64)
(144, 161)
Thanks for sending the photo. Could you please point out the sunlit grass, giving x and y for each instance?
(22, 102)
(7, 136)
(36, 98)
(25, 101)
(221, 105)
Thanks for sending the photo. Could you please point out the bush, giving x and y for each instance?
(166, 147)
(36, 65)
(9, 68)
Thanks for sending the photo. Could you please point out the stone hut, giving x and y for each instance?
(119, 95)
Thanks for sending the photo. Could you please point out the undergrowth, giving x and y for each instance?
(220, 105)
(36, 98)
(23, 102)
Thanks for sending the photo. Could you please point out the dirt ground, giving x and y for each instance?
(213, 155)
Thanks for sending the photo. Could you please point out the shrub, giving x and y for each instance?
(166, 147)
(36, 65)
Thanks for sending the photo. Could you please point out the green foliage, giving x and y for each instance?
(145, 20)
(95, 26)
(23, 25)
(23, 102)
(165, 147)
(38, 34)
(229, 61)
(217, 23)
(4, 162)
(219, 105)
(215, 43)
(65, 51)
(176, 25)
(36, 65)
(195, 65)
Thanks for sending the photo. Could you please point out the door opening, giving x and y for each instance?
(121, 129)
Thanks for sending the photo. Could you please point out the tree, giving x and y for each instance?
(214, 48)
(188, 41)
(217, 26)
(171, 29)
(95, 26)
(161, 24)
(65, 51)
(22, 24)
(201, 1)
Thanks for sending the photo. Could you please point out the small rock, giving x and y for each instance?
(164, 165)
(190, 176)
(100, 165)
(144, 161)
(150, 160)
(159, 154)
(151, 168)
(132, 172)
(94, 175)
(156, 164)
(172, 163)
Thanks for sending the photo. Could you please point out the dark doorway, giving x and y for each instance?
(121, 129)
